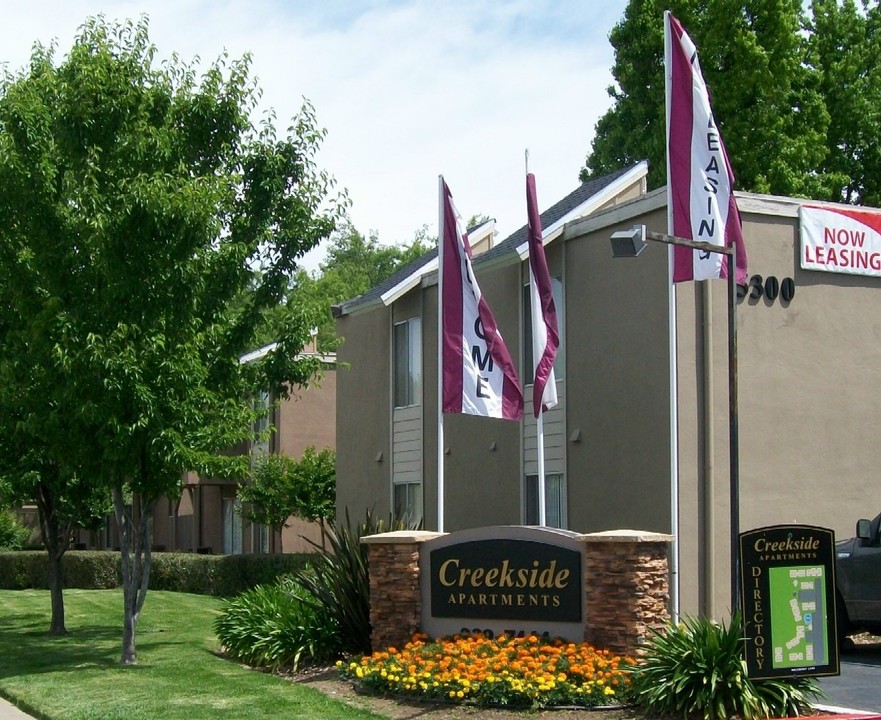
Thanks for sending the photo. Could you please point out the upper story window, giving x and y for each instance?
(408, 362)
(559, 363)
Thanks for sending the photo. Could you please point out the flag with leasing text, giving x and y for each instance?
(545, 335)
(478, 374)
(700, 187)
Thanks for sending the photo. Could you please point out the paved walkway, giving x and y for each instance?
(8, 711)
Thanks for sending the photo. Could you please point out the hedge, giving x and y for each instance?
(221, 575)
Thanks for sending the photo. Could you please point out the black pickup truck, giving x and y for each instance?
(858, 580)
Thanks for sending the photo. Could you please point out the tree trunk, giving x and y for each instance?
(135, 539)
(54, 535)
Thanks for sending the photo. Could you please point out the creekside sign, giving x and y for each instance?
(788, 585)
(512, 579)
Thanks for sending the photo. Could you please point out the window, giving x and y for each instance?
(232, 526)
(528, 369)
(408, 503)
(259, 538)
(408, 362)
(555, 500)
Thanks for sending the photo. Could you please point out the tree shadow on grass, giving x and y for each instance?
(89, 647)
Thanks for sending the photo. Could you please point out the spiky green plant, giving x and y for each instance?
(338, 580)
(697, 669)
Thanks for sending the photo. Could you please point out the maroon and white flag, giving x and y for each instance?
(700, 184)
(545, 335)
(478, 374)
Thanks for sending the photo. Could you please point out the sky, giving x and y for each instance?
(407, 90)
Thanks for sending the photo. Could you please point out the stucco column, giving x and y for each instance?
(395, 600)
(627, 588)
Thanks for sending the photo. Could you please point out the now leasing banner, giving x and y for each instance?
(841, 240)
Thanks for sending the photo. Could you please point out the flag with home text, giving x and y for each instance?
(545, 335)
(478, 374)
(700, 187)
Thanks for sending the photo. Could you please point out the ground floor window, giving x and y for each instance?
(408, 503)
(259, 538)
(232, 526)
(555, 500)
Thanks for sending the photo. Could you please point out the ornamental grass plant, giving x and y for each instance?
(696, 669)
(506, 671)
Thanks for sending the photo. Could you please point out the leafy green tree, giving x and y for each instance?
(845, 41)
(353, 265)
(315, 486)
(267, 492)
(280, 487)
(33, 458)
(766, 95)
(137, 204)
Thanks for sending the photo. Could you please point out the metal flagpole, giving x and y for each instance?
(440, 355)
(671, 339)
(539, 421)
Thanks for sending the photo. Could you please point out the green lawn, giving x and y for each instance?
(179, 675)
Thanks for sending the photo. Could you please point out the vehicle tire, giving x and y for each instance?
(843, 623)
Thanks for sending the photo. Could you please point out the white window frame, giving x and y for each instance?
(410, 393)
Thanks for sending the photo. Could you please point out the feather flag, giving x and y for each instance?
(700, 180)
(478, 374)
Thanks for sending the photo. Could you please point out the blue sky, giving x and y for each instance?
(407, 90)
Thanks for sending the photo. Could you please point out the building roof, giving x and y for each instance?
(581, 201)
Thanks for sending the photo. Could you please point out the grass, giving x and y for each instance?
(179, 675)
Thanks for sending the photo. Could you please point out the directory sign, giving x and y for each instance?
(788, 585)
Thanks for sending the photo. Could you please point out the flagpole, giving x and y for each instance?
(672, 349)
(440, 356)
(539, 421)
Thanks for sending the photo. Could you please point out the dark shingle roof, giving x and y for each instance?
(560, 209)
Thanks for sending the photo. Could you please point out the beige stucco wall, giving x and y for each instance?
(362, 421)
(617, 387)
(308, 417)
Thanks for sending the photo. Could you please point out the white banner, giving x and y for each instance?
(841, 240)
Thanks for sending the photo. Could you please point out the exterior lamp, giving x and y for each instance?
(630, 243)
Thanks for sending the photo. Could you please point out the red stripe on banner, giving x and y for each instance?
(547, 313)
(452, 312)
(866, 217)
(679, 155)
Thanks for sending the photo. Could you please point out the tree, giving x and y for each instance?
(280, 487)
(353, 265)
(766, 96)
(138, 203)
(33, 453)
(845, 42)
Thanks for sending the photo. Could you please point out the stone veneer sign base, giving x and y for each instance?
(607, 588)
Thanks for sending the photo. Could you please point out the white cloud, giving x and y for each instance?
(407, 90)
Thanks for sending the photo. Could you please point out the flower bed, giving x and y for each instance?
(520, 672)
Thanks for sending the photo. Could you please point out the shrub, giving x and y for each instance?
(697, 668)
(221, 575)
(13, 535)
(269, 626)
